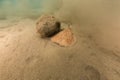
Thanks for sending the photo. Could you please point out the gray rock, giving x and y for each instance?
(47, 26)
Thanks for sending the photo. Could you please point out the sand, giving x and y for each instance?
(25, 56)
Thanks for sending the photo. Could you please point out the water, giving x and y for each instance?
(26, 8)
(94, 56)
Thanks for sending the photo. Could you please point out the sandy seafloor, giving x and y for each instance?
(25, 56)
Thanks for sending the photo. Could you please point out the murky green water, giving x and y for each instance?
(25, 7)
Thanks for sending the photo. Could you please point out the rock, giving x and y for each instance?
(47, 26)
(64, 38)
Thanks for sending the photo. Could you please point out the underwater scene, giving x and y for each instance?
(59, 39)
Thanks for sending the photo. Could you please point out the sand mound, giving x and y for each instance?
(26, 56)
